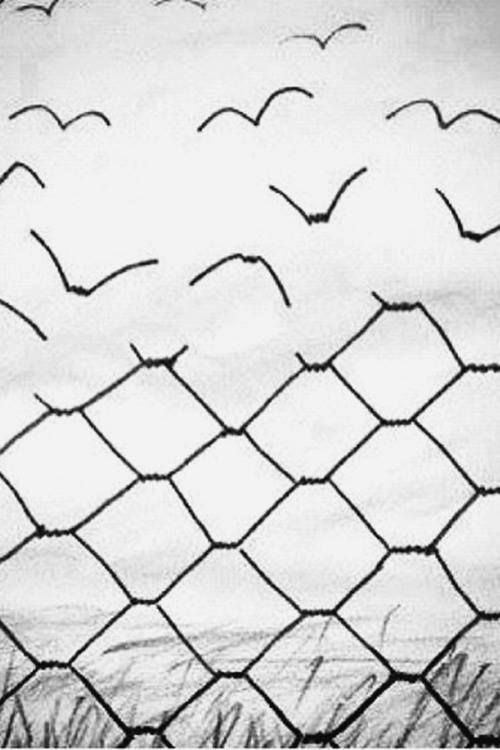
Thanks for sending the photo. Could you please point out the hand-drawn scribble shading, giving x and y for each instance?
(442, 122)
(63, 124)
(324, 216)
(325, 41)
(83, 291)
(253, 260)
(466, 234)
(22, 316)
(255, 121)
(46, 10)
(21, 166)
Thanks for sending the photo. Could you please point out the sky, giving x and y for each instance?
(151, 186)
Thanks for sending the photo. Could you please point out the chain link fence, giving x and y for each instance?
(170, 579)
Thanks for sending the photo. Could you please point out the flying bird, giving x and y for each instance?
(252, 259)
(260, 114)
(466, 233)
(197, 3)
(19, 165)
(34, 327)
(48, 10)
(323, 43)
(81, 290)
(63, 124)
(324, 217)
(444, 124)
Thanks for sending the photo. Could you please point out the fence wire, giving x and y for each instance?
(297, 731)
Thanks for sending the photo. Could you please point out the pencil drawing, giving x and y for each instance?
(255, 121)
(441, 121)
(46, 10)
(196, 3)
(325, 41)
(249, 495)
(253, 260)
(466, 234)
(63, 124)
(324, 216)
(19, 166)
(22, 316)
(84, 291)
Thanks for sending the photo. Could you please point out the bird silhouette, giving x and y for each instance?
(83, 291)
(20, 165)
(444, 124)
(323, 217)
(465, 233)
(197, 3)
(252, 259)
(61, 123)
(22, 316)
(47, 10)
(323, 43)
(257, 119)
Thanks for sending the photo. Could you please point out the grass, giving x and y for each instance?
(55, 710)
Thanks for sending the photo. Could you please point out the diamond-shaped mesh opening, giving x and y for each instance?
(146, 556)
(329, 548)
(154, 667)
(404, 485)
(154, 421)
(59, 493)
(319, 673)
(408, 611)
(312, 424)
(54, 596)
(399, 364)
(227, 610)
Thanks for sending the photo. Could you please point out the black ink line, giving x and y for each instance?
(313, 366)
(110, 445)
(21, 165)
(324, 217)
(323, 43)
(466, 233)
(168, 361)
(41, 8)
(21, 502)
(197, 3)
(63, 124)
(445, 452)
(271, 398)
(410, 307)
(253, 259)
(444, 124)
(66, 411)
(83, 291)
(269, 582)
(255, 121)
(34, 327)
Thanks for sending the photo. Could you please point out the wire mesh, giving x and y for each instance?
(383, 677)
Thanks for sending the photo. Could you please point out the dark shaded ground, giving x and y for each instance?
(145, 681)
